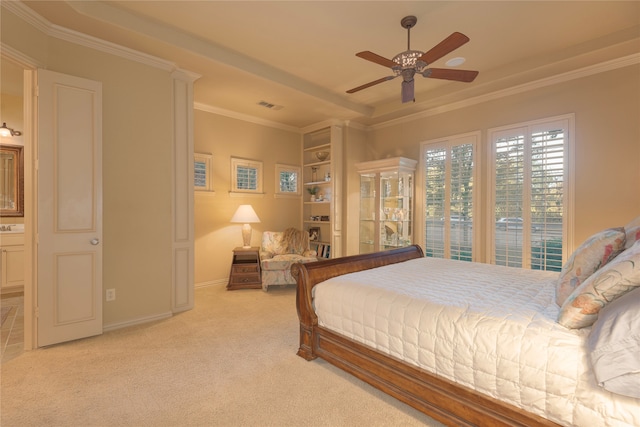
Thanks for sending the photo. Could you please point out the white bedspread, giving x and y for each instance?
(490, 328)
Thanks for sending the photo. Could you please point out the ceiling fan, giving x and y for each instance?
(411, 62)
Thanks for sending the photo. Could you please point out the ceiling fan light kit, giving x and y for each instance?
(411, 62)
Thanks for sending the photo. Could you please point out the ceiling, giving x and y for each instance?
(300, 55)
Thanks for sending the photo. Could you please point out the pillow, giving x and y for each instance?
(615, 279)
(633, 235)
(633, 232)
(614, 346)
(595, 252)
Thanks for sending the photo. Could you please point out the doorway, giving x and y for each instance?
(12, 111)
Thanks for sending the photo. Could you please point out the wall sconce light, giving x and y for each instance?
(245, 215)
(6, 132)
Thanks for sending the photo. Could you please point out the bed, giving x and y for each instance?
(454, 340)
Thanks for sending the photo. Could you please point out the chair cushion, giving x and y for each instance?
(284, 262)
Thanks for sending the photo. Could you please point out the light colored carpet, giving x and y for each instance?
(229, 362)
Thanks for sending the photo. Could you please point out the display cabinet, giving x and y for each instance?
(386, 203)
(321, 200)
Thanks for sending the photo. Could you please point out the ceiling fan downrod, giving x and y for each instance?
(408, 22)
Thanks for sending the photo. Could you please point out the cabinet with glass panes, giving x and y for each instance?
(386, 203)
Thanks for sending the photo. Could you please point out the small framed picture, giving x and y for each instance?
(314, 234)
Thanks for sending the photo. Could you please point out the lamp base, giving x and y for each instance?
(246, 236)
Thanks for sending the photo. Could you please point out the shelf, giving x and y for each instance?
(325, 182)
(321, 147)
(326, 162)
(323, 202)
(316, 222)
(318, 242)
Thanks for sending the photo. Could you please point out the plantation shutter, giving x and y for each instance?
(449, 198)
(528, 182)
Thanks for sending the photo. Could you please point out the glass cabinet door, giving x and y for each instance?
(396, 189)
(386, 204)
(368, 213)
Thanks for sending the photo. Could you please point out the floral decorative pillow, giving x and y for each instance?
(615, 279)
(633, 232)
(595, 252)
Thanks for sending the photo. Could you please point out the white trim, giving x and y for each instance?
(217, 282)
(569, 185)
(537, 84)
(137, 321)
(288, 168)
(258, 165)
(52, 30)
(475, 139)
(244, 117)
(207, 159)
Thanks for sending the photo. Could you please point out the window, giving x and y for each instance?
(202, 172)
(530, 193)
(450, 169)
(287, 180)
(246, 176)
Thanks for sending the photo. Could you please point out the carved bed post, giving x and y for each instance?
(307, 316)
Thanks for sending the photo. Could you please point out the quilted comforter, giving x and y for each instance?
(487, 327)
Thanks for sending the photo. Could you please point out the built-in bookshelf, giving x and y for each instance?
(321, 199)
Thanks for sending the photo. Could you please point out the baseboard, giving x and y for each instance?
(134, 322)
(212, 283)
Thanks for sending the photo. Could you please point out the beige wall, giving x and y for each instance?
(607, 140)
(136, 167)
(215, 236)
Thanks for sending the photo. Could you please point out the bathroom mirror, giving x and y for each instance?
(11, 180)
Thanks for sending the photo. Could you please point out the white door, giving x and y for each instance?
(69, 206)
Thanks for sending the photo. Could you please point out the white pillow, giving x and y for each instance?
(614, 346)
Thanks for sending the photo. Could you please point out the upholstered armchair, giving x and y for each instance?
(279, 251)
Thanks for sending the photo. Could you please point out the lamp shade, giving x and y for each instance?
(245, 215)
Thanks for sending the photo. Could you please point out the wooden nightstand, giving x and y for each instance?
(245, 269)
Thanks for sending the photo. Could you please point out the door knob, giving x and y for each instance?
(94, 241)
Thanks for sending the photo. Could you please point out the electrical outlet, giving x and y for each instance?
(111, 294)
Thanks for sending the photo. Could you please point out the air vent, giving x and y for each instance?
(270, 106)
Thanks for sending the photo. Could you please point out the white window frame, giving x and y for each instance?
(237, 162)
(206, 160)
(280, 168)
(567, 121)
(473, 138)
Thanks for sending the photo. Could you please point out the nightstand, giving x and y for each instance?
(245, 269)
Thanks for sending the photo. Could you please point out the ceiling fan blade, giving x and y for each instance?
(408, 91)
(374, 57)
(373, 83)
(466, 76)
(447, 45)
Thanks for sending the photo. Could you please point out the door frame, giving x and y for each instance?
(29, 136)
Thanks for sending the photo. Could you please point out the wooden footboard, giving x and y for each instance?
(437, 397)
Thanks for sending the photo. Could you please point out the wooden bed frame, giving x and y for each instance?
(442, 399)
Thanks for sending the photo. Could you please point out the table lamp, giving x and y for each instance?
(245, 215)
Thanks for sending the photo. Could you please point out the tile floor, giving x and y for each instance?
(12, 328)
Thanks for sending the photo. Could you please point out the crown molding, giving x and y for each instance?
(245, 117)
(18, 57)
(602, 67)
(52, 30)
